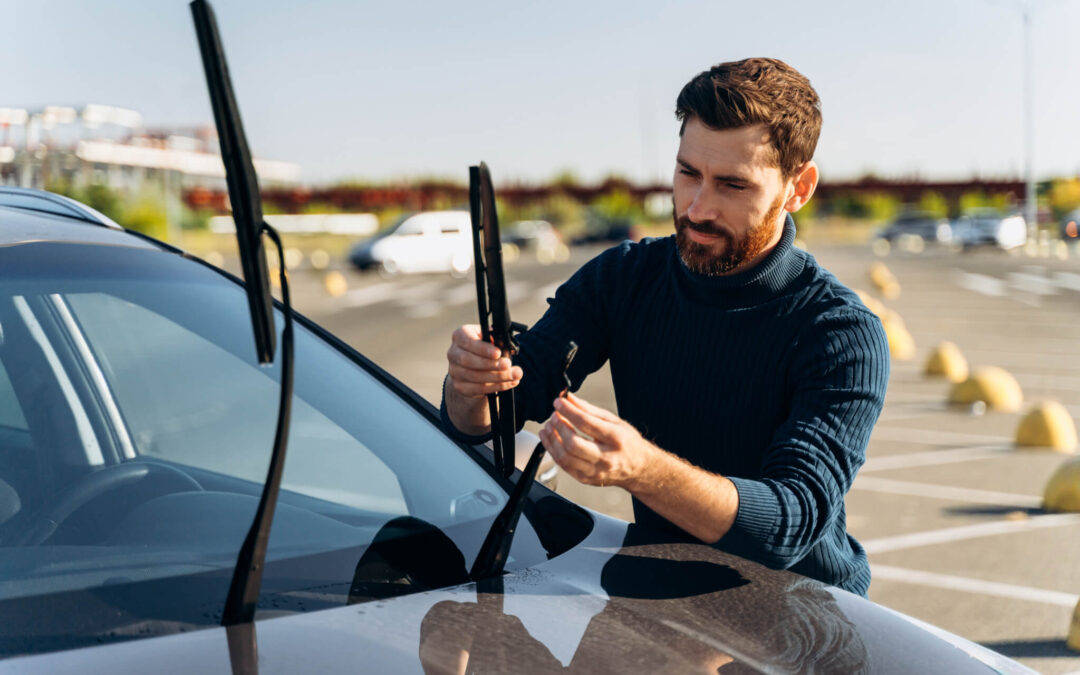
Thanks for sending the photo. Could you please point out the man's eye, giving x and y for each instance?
(736, 186)
(686, 172)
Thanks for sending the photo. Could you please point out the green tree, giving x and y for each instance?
(617, 205)
(1064, 195)
(146, 213)
(934, 203)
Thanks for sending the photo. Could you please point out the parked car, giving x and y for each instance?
(603, 228)
(531, 234)
(916, 224)
(537, 237)
(431, 241)
(137, 424)
(988, 227)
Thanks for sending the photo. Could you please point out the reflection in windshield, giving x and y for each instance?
(407, 555)
(710, 618)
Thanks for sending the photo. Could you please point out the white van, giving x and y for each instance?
(432, 241)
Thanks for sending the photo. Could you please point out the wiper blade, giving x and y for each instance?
(247, 212)
(491, 559)
(495, 324)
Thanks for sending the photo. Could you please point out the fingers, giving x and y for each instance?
(574, 443)
(467, 360)
(475, 390)
(591, 409)
(475, 366)
(584, 421)
(576, 467)
(469, 338)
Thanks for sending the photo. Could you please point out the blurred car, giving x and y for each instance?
(530, 234)
(431, 241)
(1070, 226)
(915, 224)
(537, 237)
(602, 229)
(137, 424)
(988, 227)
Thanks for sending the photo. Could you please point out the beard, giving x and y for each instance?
(729, 252)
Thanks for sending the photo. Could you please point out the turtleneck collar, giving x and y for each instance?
(748, 287)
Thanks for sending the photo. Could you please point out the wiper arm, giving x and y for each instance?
(495, 324)
(491, 559)
(247, 212)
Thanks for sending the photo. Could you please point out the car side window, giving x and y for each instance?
(11, 413)
(410, 227)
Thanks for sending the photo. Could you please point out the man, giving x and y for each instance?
(747, 377)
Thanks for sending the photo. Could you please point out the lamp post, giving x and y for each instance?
(1031, 212)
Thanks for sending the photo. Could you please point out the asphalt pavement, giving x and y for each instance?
(947, 507)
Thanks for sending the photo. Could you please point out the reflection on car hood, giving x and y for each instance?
(622, 601)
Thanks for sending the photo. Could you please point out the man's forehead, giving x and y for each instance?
(748, 149)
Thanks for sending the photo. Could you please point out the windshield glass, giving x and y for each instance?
(139, 428)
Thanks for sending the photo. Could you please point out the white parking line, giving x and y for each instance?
(1035, 284)
(1035, 281)
(954, 583)
(903, 487)
(460, 295)
(1067, 280)
(421, 292)
(933, 457)
(951, 534)
(930, 436)
(981, 283)
(369, 295)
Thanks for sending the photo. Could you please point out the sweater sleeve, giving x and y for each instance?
(580, 311)
(840, 373)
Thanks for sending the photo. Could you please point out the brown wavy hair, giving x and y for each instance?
(757, 91)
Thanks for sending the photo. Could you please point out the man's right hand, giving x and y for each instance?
(476, 368)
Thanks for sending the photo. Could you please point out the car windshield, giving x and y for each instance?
(137, 429)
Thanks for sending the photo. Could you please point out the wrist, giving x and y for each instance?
(466, 413)
(647, 477)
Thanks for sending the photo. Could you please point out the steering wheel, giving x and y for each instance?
(161, 479)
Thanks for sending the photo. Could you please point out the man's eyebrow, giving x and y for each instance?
(719, 179)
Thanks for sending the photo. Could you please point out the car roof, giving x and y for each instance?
(33, 216)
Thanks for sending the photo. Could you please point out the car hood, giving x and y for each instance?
(624, 600)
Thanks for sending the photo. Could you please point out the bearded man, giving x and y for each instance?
(747, 377)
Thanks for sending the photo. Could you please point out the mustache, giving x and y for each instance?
(683, 222)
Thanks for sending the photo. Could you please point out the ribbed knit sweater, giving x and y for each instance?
(772, 377)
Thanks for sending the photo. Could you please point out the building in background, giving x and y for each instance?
(102, 144)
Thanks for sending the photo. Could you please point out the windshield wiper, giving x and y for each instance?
(497, 328)
(496, 547)
(247, 212)
(495, 324)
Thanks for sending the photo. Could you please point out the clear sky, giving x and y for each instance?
(378, 90)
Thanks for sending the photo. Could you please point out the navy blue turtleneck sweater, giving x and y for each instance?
(772, 377)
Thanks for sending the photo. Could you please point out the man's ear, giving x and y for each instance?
(805, 182)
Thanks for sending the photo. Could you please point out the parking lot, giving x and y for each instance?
(948, 509)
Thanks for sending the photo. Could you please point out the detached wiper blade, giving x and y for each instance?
(496, 547)
(495, 324)
(247, 212)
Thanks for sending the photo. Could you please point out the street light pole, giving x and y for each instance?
(1030, 207)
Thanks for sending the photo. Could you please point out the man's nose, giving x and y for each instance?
(704, 207)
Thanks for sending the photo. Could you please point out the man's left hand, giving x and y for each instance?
(595, 446)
